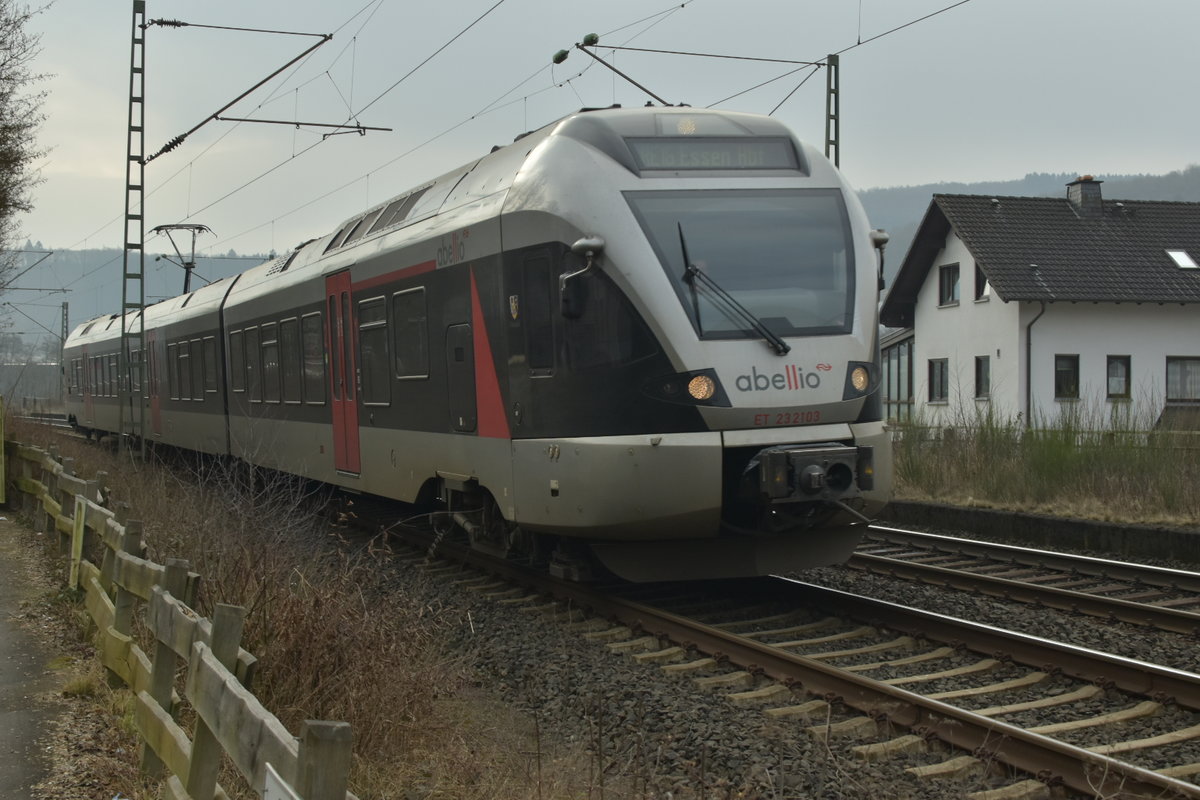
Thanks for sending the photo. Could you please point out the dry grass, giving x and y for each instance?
(1091, 469)
(333, 640)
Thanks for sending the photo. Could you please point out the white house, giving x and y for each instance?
(1031, 308)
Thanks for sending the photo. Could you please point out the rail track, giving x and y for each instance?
(1141, 594)
(904, 681)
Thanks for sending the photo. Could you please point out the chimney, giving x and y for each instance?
(1083, 193)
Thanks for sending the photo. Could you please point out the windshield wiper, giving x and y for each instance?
(692, 274)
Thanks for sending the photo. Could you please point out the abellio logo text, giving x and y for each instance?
(792, 378)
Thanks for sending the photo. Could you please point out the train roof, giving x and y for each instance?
(605, 129)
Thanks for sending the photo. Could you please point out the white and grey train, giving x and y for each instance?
(644, 337)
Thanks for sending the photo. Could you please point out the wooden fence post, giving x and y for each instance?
(64, 499)
(108, 559)
(323, 770)
(206, 750)
(39, 504)
(27, 502)
(162, 673)
(78, 531)
(50, 482)
(123, 601)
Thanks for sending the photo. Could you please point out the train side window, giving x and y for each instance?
(373, 351)
(237, 362)
(197, 350)
(410, 339)
(112, 375)
(609, 332)
(290, 366)
(210, 364)
(538, 313)
(270, 362)
(173, 371)
(184, 366)
(135, 370)
(312, 337)
(253, 366)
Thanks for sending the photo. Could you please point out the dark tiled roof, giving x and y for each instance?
(1115, 256)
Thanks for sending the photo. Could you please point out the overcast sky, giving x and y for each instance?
(986, 90)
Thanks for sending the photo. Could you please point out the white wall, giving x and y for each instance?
(1148, 333)
(959, 333)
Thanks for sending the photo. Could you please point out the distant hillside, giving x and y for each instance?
(90, 281)
(899, 209)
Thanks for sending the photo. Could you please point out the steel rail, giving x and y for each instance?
(1177, 620)
(1183, 580)
(1051, 760)
(1113, 608)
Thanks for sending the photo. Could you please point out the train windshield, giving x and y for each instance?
(786, 256)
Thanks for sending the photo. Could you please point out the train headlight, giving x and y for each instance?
(860, 379)
(699, 387)
(702, 387)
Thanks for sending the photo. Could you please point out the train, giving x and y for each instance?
(639, 342)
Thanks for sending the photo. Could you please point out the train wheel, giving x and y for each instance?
(493, 534)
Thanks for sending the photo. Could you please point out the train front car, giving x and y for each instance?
(699, 393)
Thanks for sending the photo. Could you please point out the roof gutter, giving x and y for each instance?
(1029, 366)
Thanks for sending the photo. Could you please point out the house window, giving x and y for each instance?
(983, 289)
(1118, 377)
(983, 377)
(1183, 379)
(939, 380)
(897, 367)
(1066, 377)
(948, 285)
(1183, 259)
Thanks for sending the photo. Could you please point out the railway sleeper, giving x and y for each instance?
(901, 745)
(855, 727)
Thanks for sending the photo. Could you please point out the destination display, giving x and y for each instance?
(703, 152)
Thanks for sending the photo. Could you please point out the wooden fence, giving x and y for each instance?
(229, 719)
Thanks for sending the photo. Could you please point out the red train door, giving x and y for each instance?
(340, 345)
